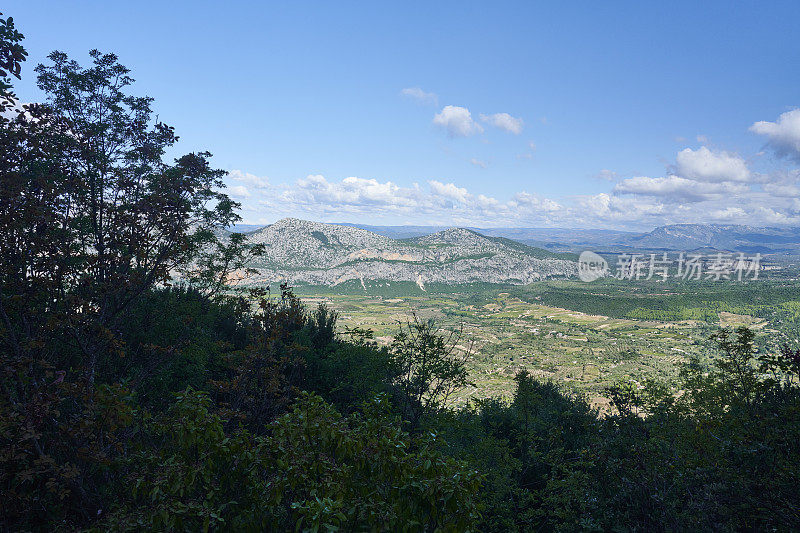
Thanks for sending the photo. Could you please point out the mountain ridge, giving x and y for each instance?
(679, 237)
(734, 237)
(301, 251)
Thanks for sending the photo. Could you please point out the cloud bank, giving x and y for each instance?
(702, 185)
(419, 95)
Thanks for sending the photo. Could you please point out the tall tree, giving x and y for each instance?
(429, 366)
(92, 216)
(91, 208)
(12, 54)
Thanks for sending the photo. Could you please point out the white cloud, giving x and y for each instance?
(633, 203)
(768, 215)
(785, 190)
(676, 188)
(783, 136)
(606, 175)
(525, 200)
(504, 121)
(484, 203)
(418, 94)
(606, 210)
(645, 212)
(355, 199)
(239, 191)
(782, 184)
(360, 192)
(638, 210)
(703, 186)
(457, 121)
(731, 214)
(251, 180)
(704, 165)
(449, 190)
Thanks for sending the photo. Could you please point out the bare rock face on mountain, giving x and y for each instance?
(300, 251)
(300, 244)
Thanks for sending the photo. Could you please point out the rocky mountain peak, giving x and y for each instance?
(301, 251)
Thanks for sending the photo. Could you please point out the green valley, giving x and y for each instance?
(585, 337)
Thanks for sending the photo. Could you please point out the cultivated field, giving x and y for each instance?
(555, 330)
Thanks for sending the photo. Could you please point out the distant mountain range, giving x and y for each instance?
(303, 252)
(735, 238)
(683, 237)
(550, 238)
(306, 252)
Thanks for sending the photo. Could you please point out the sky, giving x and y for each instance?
(620, 115)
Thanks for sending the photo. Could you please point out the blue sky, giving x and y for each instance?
(592, 114)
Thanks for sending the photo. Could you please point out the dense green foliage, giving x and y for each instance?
(677, 300)
(314, 470)
(128, 403)
(12, 55)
